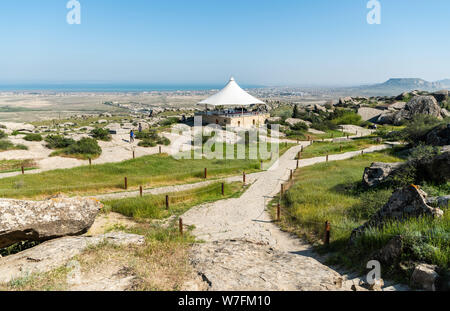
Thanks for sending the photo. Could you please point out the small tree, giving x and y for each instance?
(296, 114)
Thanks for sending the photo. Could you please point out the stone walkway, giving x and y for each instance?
(245, 250)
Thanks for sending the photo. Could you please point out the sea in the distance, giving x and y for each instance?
(112, 88)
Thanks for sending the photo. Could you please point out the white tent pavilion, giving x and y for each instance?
(230, 97)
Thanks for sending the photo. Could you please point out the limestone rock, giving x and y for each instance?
(439, 136)
(418, 105)
(425, 277)
(391, 252)
(45, 220)
(291, 122)
(407, 202)
(55, 253)
(378, 172)
(440, 96)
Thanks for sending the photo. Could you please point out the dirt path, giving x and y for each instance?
(245, 250)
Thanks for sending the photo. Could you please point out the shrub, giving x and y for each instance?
(146, 143)
(417, 129)
(21, 147)
(299, 127)
(33, 137)
(324, 125)
(371, 202)
(169, 121)
(58, 141)
(348, 117)
(85, 146)
(101, 134)
(3, 135)
(6, 144)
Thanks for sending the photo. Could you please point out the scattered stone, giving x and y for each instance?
(442, 202)
(45, 220)
(425, 277)
(379, 172)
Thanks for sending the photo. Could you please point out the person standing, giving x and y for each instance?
(131, 136)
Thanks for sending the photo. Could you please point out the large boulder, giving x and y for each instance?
(378, 172)
(407, 202)
(45, 220)
(425, 277)
(418, 105)
(440, 96)
(439, 136)
(291, 122)
(435, 169)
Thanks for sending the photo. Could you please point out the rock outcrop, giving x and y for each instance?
(45, 220)
(55, 253)
(440, 96)
(292, 122)
(418, 105)
(439, 136)
(379, 172)
(425, 277)
(435, 169)
(407, 202)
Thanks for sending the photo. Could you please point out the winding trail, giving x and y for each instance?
(245, 250)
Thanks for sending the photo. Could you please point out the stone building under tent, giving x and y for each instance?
(231, 106)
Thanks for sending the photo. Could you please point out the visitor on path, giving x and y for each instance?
(140, 128)
(131, 136)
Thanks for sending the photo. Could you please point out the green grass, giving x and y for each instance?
(16, 165)
(319, 149)
(149, 171)
(154, 206)
(332, 192)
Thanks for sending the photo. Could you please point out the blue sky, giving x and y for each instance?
(283, 42)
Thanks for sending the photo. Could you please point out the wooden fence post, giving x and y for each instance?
(223, 188)
(327, 157)
(134, 155)
(160, 150)
(292, 175)
(126, 183)
(140, 191)
(327, 233)
(282, 189)
(278, 211)
(180, 225)
(167, 202)
(23, 170)
(244, 177)
(362, 152)
(206, 173)
(298, 164)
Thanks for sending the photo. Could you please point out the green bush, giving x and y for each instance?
(6, 145)
(3, 135)
(58, 141)
(21, 147)
(101, 134)
(348, 117)
(146, 143)
(417, 129)
(33, 137)
(85, 146)
(299, 127)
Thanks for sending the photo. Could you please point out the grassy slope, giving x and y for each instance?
(329, 192)
(149, 171)
(153, 206)
(319, 149)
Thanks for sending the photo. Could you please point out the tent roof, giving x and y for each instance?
(231, 95)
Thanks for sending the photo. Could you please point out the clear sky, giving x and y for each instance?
(268, 42)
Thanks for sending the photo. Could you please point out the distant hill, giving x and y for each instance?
(397, 86)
